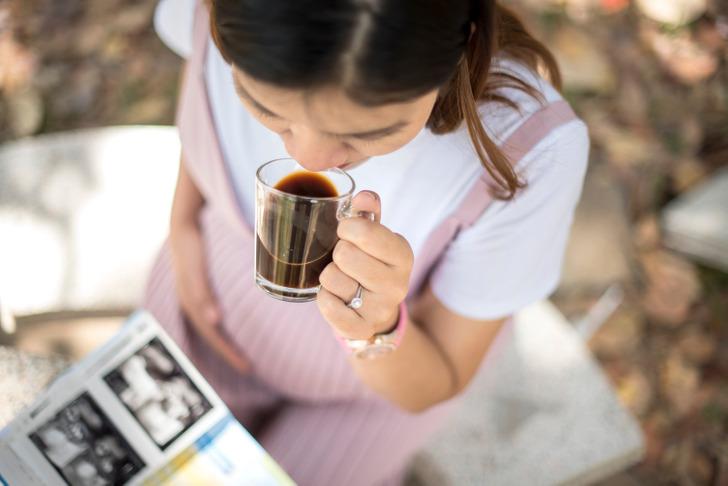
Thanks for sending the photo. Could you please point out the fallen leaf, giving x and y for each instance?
(679, 380)
(672, 287)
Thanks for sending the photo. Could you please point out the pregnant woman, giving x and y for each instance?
(470, 160)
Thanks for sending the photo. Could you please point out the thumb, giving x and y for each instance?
(367, 202)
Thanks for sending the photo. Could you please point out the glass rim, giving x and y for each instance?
(335, 170)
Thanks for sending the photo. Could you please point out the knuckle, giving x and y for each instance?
(362, 232)
(357, 229)
(326, 277)
(398, 294)
(402, 294)
(380, 316)
(325, 304)
(345, 228)
(407, 253)
(342, 252)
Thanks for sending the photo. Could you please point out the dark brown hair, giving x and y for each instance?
(383, 51)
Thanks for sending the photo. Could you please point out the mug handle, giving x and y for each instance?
(346, 212)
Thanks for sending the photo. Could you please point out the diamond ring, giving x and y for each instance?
(356, 302)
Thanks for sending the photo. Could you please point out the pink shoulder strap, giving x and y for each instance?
(200, 143)
(479, 197)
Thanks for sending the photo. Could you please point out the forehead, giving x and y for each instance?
(328, 107)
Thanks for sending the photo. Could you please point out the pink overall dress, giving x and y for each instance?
(325, 427)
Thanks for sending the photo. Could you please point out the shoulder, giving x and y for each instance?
(173, 20)
(553, 168)
(564, 148)
(501, 120)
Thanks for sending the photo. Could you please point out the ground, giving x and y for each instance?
(650, 78)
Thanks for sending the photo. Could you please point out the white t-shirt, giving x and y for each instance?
(510, 258)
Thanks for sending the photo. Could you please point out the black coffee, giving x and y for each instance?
(296, 237)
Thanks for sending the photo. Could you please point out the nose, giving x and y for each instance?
(314, 150)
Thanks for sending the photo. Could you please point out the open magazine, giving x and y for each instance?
(134, 412)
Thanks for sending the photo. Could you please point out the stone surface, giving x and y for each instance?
(82, 215)
(22, 376)
(696, 223)
(533, 415)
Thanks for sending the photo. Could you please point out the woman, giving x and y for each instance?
(471, 161)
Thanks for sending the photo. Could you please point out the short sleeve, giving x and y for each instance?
(513, 255)
(173, 22)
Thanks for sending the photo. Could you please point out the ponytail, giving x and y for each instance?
(496, 32)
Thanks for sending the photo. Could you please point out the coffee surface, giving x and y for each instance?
(307, 184)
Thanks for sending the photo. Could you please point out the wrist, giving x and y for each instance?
(379, 344)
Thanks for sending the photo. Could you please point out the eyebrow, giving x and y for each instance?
(378, 132)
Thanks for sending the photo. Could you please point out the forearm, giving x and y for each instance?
(187, 202)
(415, 376)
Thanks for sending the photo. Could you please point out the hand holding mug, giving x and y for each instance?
(314, 241)
(371, 256)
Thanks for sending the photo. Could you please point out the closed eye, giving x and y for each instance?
(368, 136)
(262, 112)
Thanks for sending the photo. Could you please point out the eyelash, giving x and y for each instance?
(363, 141)
(265, 114)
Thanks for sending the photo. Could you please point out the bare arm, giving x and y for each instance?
(439, 355)
(440, 351)
(187, 202)
(195, 293)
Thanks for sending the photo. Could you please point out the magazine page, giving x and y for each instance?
(135, 411)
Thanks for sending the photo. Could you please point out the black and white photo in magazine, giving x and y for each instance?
(158, 393)
(85, 447)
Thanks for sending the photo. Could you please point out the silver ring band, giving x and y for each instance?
(356, 302)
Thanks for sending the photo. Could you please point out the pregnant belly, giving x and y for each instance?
(291, 347)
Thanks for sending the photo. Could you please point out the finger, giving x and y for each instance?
(368, 202)
(348, 323)
(363, 268)
(201, 308)
(338, 283)
(205, 316)
(196, 296)
(207, 313)
(376, 240)
(376, 309)
(214, 338)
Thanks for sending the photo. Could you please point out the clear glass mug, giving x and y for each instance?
(297, 213)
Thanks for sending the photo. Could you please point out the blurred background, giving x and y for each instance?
(650, 78)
